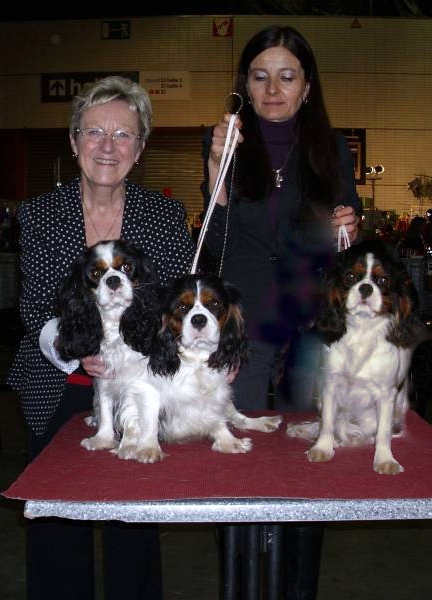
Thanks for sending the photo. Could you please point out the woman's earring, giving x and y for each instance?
(306, 99)
(137, 163)
(74, 154)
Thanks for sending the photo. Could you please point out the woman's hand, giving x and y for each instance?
(345, 215)
(232, 374)
(219, 137)
(220, 132)
(93, 365)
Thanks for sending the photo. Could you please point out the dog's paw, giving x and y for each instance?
(126, 451)
(149, 455)
(388, 467)
(271, 423)
(307, 430)
(265, 424)
(319, 455)
(233, 446)
(130, 451)
(91, 421)
(99, 443)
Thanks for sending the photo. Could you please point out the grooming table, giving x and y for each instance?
(271, 485)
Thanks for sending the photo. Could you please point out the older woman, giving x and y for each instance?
(109, 127)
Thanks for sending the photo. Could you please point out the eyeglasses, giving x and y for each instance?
(96, 134)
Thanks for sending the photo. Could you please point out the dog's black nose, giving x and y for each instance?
(113, 282)
(199, 321)
(365, 290)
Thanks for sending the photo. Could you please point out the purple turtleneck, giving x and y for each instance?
(279, 140)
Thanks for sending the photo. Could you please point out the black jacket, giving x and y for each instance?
(277, 270)
(51, 237)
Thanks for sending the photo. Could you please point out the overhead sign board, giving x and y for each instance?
(116, 30)
(166, 85)
(62, 87)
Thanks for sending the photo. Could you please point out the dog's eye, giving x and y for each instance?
(382, 281)
(349, 278)
(126, 268)
(216, 307)
(184, 308)
(96, 273)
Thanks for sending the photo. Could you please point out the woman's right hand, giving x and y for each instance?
(219, 137)
(220, 132)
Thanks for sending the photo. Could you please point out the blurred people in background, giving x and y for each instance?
(414, 243)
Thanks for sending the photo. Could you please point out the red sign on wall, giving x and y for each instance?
(223, 27)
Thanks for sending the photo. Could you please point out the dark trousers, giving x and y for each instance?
(293, 563)
(60, 552)
(290, 376)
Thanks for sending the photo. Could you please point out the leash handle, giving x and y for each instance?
(343, 241)
(228, 151)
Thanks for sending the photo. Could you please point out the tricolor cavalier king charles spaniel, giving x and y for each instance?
(168, 351)
(108, 306)
(201, 340)
(370, 327)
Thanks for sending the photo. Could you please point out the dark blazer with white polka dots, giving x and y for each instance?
(51, 237)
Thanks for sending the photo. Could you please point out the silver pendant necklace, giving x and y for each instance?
(278, 179)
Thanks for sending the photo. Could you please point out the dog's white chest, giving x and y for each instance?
(364, 353)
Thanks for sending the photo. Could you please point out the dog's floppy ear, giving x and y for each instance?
(139, 322)
(233, 347)
(80, 325)
(330, 322)
(409, 329)
(164, 358)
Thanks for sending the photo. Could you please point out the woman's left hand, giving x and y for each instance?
(345, 215)
(93, 365)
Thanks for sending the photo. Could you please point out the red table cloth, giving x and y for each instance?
(276, 467)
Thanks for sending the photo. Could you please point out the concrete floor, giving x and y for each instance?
(360, 561)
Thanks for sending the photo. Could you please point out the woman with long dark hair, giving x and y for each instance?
(275, 227)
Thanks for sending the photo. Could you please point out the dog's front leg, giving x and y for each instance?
(323, 449)
(104, 439)
(384, 461)
(140, 422)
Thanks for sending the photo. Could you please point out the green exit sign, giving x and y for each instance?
(116, 30)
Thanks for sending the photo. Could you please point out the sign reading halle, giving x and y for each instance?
(62, 87)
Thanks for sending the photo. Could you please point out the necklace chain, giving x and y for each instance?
(100, 237)
(278, 179)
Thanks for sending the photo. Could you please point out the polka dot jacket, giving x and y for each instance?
(51, 237)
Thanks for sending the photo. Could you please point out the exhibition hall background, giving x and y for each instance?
(376, 74)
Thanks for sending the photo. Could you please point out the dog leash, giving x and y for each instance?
(227, 154)
(343, 241)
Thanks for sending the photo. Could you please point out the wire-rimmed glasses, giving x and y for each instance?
(97, 135)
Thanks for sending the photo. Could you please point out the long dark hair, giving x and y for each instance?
(318, 164)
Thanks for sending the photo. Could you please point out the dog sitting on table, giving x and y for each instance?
(168, 353)
(370, 326)
(201, 341)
